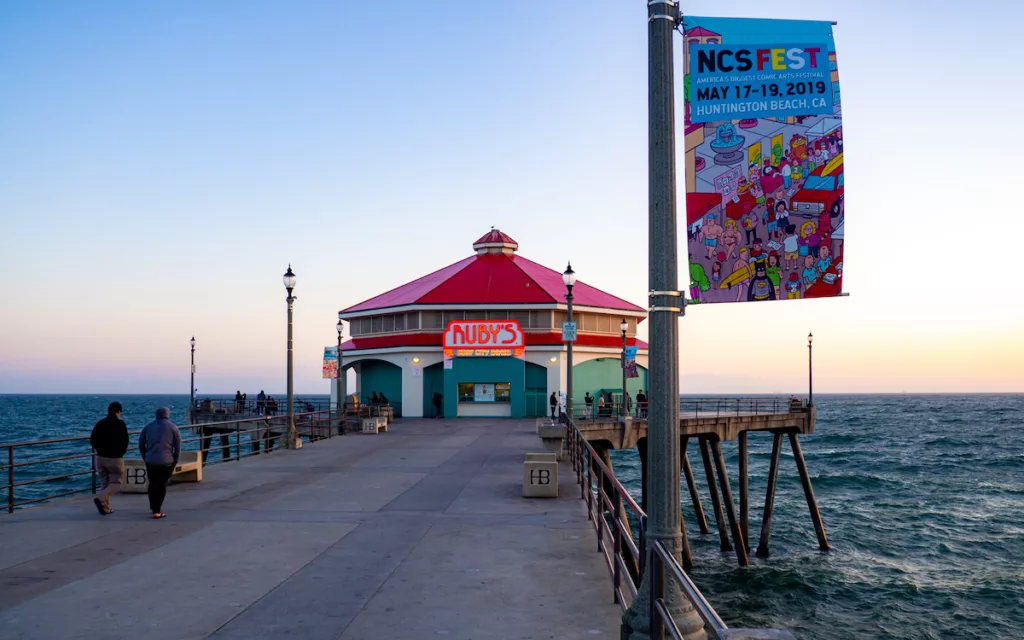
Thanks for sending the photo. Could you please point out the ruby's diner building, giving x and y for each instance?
(485, 335)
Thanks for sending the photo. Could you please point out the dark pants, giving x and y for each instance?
(159, 474)
(553, 411)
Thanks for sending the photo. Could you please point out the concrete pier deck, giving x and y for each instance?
(417, 533)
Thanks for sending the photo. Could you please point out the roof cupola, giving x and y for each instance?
(494, 241)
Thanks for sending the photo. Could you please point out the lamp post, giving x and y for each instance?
(810, 370)
(623, 325)
(340, 405)
(192, 384)
(569, 279)
(293, 436)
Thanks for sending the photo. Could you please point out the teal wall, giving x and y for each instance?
(382, 377)
(536, 390)
(511, 370)
(433, 380)
(604, 374)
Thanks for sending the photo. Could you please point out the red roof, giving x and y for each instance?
(701, 32)
(498, 277)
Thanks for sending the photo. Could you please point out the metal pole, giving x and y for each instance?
(622, 409)
(568, 376)
(293, 435)
(339, 406)
(810, 372)
(664, 514)
(192, 384)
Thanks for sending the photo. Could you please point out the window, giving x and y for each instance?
(497, 315)
(389, 323)
(400, 322)
(353, 327)
(522, 317)
(485, 392)
(448, 316)
(430, 320)
(365, 326)
(540, 319)
(503, 392)
(560, 317)
(377, 324)
(587, 322)
(476, 314)
(604, 324)
(412, 320)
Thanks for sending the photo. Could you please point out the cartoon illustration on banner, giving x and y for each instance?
(330, 369)
(764, 160)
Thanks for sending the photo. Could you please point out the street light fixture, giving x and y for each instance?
(340, 404)
(810, 371)
(569, 279)
(293, 436)
(624, 326)
(192, 384)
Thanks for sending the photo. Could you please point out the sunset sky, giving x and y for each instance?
(161, 164)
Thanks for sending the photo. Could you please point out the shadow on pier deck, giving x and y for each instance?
(418, 533)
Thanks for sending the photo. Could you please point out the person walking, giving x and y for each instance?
(160, 446)
(109, 442)
(553, 401)
(588, 405)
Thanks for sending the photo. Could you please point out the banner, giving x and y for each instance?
(631, 371)
(330, 362)
(764, 160)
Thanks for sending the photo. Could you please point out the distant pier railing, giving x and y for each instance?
(688, 407)
(45, 469)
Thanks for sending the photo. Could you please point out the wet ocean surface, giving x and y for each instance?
(922, 497)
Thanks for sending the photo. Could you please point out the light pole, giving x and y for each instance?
(810, 370)
(192, 384)
(341, 397)
(623, 325)
(293, 435)
(569, 279)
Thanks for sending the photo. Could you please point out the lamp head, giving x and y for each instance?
(192, 342)
(569, 276)
(624, 325)
(341, 328)
(289, 279)
(810, 339)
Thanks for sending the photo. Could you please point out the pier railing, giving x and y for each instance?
(611, 508)
(690, 408)
(45, 469)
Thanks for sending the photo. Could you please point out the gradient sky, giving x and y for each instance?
(162, 163)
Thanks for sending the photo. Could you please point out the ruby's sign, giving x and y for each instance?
(469, 338)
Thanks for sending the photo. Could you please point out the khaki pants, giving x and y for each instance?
(111, 471)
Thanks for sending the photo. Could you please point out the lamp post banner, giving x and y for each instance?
(330, 362)
(765, 206)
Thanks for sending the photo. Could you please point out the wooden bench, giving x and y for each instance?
(136, 479)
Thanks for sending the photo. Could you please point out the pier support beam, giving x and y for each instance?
(687, 554)
(769, 496)
(730, 506)
(723, 535)
(691, 484)
(812, 504)
(744, 493)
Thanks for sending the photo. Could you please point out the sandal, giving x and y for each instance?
(157, 516)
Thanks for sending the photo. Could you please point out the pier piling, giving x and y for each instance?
(805, 480)
(723, 535)
(730, 506)
(769, 496)
(744, 493)
(691, 484)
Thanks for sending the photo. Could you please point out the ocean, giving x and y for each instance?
(922, 497)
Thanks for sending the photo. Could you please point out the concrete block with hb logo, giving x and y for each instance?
(540, 476)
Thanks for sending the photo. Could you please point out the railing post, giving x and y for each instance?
(238, 441)
(10, 479)
(590, 494)
(600, 506)
(643, 545)
(657, 593)
(92, 461)
(616, 572)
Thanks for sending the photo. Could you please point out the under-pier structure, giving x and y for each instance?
(710, 421)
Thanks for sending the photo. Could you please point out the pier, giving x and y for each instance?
(418, 533)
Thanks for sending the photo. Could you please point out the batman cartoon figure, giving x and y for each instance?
(760, 286)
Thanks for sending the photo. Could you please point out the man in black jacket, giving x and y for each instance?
(110, 442)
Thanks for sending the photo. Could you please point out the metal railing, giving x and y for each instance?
(693, 408)
(229, 406)
(626, 559)
(45, 469)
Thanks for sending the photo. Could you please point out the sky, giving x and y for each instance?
(161, 164)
